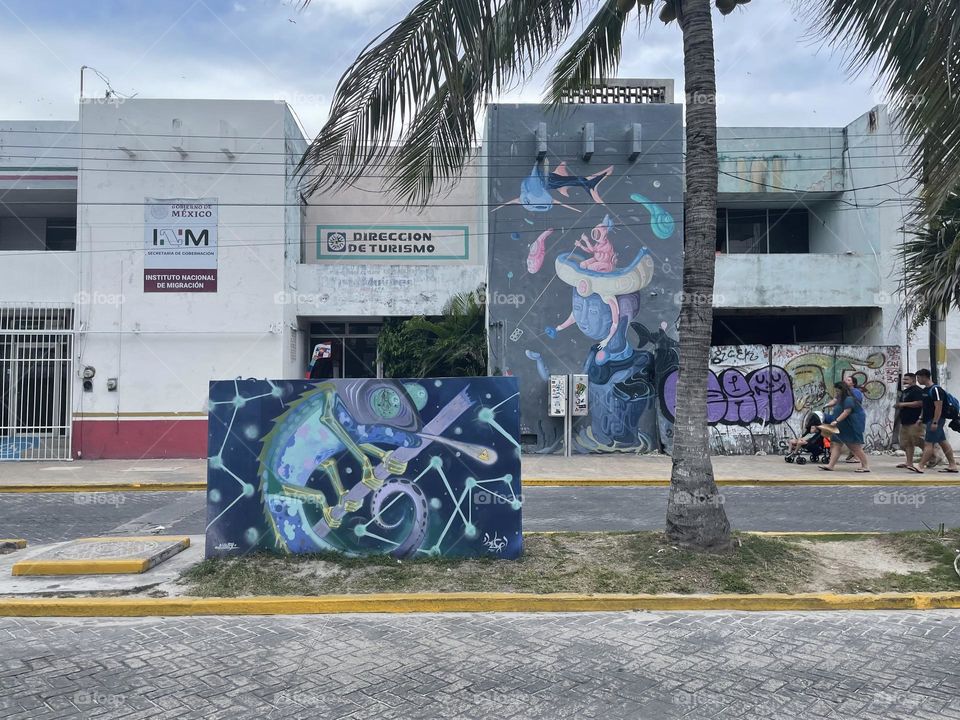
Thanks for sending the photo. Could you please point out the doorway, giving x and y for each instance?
(345, 349)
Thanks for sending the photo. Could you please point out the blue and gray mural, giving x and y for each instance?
(588, 255)
(405, 467)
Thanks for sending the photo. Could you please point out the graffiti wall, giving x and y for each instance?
(405, 467)
(582, 253)
(813, 370)
(758, 396)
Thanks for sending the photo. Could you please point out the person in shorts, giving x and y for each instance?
(910, 408)
(934, 400)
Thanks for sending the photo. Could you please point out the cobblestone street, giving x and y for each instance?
(605, 665)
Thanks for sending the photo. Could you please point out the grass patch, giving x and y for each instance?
(563, 562)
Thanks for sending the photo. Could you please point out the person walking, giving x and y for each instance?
(851, 423)
(932, 417)
(910, 407)
(851, 382)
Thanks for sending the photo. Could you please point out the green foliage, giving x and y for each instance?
(931, 262)
(452, 345)
(409, 103)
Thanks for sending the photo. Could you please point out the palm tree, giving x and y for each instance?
(931, 261)
(422, 83)
(915, 45)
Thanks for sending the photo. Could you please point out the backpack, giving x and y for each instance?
(951, 406)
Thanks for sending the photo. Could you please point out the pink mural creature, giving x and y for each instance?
(604, 257)
(538, 251)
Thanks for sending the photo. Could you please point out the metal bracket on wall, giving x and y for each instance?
(587, 134)
(541, 136)
(634, 137)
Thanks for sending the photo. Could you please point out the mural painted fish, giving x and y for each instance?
(538, 251)
(535, 189)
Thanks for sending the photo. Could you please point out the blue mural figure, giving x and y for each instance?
(622, 391)
(344, 465)
(535, 188)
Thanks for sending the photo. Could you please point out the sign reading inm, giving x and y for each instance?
(180, 245)
(399, 243)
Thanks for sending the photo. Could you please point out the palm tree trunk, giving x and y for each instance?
(695, 513)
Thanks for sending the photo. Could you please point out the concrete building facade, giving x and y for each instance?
(154, 245)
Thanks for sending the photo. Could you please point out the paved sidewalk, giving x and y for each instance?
(593, 665)
(583, 469)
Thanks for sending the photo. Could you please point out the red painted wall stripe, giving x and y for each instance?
(139, 439)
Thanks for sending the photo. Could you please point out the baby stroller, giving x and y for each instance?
(817, 447)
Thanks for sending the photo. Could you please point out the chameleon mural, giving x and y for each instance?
(405, 467)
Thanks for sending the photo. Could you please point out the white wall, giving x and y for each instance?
(165, 347)
(382, 288)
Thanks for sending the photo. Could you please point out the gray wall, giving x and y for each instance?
(537, 284)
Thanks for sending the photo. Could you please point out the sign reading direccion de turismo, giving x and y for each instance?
(398, 243)
(180, 245)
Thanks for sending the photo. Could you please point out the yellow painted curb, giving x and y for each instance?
(661, 482)
(103, 487)
(465, 602)
(12, 543)
(103, 566)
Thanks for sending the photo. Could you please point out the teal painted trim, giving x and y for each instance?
(338, 256)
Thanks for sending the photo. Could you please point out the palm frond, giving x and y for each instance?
(916, 47)
(419, 85)
(595, 55)
(931, 261)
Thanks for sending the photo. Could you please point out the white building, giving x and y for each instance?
(108, 338)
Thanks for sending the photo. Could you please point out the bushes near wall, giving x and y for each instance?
(453, 344)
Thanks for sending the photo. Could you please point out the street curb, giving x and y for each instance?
(467, 602)
(102, 566)
(103, 487)
(659, 482)
(528, 482)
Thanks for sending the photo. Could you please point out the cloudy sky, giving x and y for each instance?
(770, 71)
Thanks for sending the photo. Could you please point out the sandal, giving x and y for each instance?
(914, 468)
(904, 465)
(824, 467)
(851, 460)
(948, 470)
(861, 470)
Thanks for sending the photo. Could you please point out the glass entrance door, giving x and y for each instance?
(346, 349)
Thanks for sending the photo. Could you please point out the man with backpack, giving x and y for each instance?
(938, 407)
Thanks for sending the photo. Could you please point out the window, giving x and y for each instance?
(789, 231)
(762, 231)
(61, 234)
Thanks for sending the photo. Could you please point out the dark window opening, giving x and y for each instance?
(762, 231)
(61, 234)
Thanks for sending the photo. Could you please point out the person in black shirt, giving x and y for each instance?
(911, 429)
(932, 416)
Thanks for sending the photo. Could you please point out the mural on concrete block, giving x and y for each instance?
(587, 252)
(758, 396)
(406, 467)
